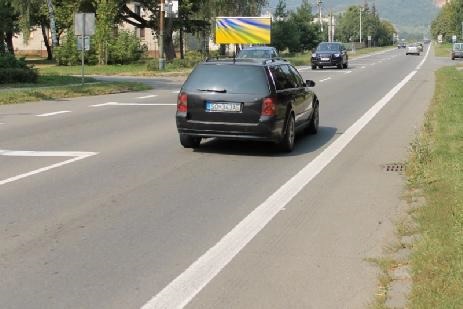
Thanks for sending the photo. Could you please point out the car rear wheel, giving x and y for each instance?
(189, 141)
(320, 67)
(314, 67)
(314, 121)
(287, 143)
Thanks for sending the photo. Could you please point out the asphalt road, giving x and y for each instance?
(100, 207)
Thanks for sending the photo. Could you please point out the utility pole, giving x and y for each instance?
(162, 61)
(320, 14)
(361, 10)
(51, 15)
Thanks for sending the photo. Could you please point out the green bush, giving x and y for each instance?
(125, 48)
(192, 58)
(67, 53)
(17, 75)
(13, 70)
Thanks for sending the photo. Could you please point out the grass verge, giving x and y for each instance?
(442, 50)
(126, 70)
(19, 94)
(436, 167)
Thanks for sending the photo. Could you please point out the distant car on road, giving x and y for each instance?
(412, 49)
(262, 100)
(258, 52)
(401, 45)
(330, 54)
(457, 51)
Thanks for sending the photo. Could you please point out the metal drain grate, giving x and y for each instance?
(394, 167)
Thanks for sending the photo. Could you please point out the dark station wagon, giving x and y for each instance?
(262, 100)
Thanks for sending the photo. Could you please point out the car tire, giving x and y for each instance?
(346, 65)
(189, 141)
(287, 142)
(314, 67)
(314, 120)
(320, 67)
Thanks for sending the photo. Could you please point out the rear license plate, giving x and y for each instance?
(223, 107)
(325, 59)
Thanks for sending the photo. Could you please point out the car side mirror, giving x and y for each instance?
(309, 83)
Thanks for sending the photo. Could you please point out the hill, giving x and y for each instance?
(413, 16)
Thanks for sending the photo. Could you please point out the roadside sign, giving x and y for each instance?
(369, 38)
(86, 42)
(439, 38)
(84, 27)
(84, 24)
(454, 38)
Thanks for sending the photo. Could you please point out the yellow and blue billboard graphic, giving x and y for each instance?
(243, 30)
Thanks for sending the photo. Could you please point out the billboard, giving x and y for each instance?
(243, 30)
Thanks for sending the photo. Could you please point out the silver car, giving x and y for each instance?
(412, 49)
(457, 51)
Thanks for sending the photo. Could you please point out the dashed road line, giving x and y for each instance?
(133, 104)
(148, 96)
(324, 80)
(53, 114)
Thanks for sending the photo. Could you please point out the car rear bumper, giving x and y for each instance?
(267, 129)
(457, 55)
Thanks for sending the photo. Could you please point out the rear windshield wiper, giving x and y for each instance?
(214, 90)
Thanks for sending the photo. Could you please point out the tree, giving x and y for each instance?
(106, 14)
(449, 20)
(309, 35)
(8, 26)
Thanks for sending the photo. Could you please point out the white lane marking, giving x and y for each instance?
(21, 153)
(373, 54)
(133, 104)
(148, 96)
(324, 80)
(103, 104)
(53, 114)
(182, 289)
(348, 72)
(76, 157)
(364, 67)
(424, 59)
(176, 91)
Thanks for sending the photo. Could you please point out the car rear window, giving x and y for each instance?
(255, 53)
(230, 78)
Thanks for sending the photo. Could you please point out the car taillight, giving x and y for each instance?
(269, 107)
(182, 103)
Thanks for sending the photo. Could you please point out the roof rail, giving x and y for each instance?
(274, 60)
